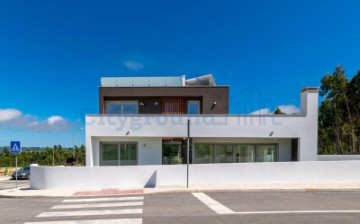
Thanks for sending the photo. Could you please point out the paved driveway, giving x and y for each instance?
(8, 184)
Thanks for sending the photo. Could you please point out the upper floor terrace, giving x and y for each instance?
(162, 95)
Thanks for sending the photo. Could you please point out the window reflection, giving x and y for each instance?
(118, 154)
(115, 107)
(235, 153)
(194, 107)
(204, 154)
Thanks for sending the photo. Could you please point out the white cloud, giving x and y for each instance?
(133, 65)
(54, 119)
(9, 114)
(289, 109)
(14, 119)
(53, 123)
(263, 111)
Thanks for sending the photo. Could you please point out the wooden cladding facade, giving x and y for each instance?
(173, 105)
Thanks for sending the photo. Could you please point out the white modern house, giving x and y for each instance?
(144, 121)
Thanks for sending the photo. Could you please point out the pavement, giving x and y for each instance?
(302, 187)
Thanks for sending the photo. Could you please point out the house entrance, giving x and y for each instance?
(172, 152)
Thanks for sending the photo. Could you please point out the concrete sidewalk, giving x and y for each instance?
(23, 192)
(4, 178)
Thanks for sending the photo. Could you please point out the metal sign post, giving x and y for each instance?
(16, 173)
(187, 153)
(15, 148)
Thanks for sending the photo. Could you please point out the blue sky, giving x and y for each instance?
(53, 53)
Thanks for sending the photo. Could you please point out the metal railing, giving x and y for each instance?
(141, 81)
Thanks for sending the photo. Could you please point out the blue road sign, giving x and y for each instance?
(15, 147)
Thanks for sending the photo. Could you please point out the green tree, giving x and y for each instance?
(339, 113)
(278, 111)
(43, 157)
(354, 105)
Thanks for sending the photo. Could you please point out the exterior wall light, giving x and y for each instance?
(128, 132)
(271, 133)
(212, 106)
(141, 104)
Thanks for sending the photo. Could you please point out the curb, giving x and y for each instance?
(333, 190)
(30, 196)
(190, 190)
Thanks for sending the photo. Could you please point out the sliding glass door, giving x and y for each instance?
(235, 153)
(266, 153)
(223, 154)
(117, 154)
(204, 153)
(244, 153)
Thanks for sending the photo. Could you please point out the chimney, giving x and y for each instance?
(309, 101)
(183, 80)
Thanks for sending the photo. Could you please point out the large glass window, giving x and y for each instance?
(118, 154)
(204, 154)
(266, 153)
(109, 154)
(223, 154)
(128, 154)
(244, 153)
(194, 107)
(121, 107)
(235, 153)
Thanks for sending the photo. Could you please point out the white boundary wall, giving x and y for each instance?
(311, 172)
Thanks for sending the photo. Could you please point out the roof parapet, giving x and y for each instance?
(310, 89)
(162, 81)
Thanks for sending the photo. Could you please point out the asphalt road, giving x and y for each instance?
(281, 207)
(176, 208)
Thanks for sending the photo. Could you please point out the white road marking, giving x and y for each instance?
(212, 204)
(297, 212)
(100, 205)
(91, 212)
(104, 199)
(221, 209)
(94, 221)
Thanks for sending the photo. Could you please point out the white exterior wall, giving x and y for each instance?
(310, 105)
(200, 175)
(271, 128)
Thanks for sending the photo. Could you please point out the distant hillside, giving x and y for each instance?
(29, 148)
(23, 148)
